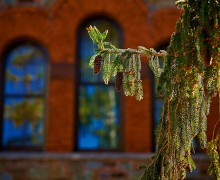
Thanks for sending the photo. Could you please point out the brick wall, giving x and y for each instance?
(55, 28)
(83, 166)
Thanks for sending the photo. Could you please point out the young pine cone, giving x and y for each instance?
(97, 64)
(119, 81)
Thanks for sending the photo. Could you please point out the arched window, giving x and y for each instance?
(98, 111)
(24, 93)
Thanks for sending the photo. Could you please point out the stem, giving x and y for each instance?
(141, 50)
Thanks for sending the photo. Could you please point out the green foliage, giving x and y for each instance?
(116, 60)
(96, 36)
(30, 111)
(213, 148)
(187, 81)
(21, 59)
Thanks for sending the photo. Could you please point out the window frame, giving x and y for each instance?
(7, 50)
(79, 83)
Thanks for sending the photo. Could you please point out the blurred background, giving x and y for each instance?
(58, 121)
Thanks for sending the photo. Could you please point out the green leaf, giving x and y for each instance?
(104, 35)
(94, 35)
(91, 61)
(142, 167)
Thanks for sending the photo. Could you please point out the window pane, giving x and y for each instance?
(87, 47)
(99, 118)
(158, 109)
(9, 1)
(23, 122)
(98, 108)
(24, 97)
(25, 71)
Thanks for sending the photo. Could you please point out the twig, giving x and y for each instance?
(141, 50)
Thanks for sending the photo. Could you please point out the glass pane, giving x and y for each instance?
(99, 118)
(87, 47)
(9, 2)
(25, 71)
(158, 109)
(23, 122)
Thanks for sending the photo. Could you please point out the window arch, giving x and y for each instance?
(98, 115)
(24, 92)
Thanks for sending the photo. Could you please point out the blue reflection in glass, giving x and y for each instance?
(99, 118)
(23, 122)
(25, 71)
(158, 109)
(87, 48)
(98, 110)
(25, 81)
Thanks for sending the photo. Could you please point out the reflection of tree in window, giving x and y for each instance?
(24, 96)
(98, 126)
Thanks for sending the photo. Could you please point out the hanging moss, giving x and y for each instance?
(187, 81)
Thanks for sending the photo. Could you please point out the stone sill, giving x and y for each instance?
(85, 156)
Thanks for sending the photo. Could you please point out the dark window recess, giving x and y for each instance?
(99, 123)
(23, 117)
(26, 1)
(157, 101)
